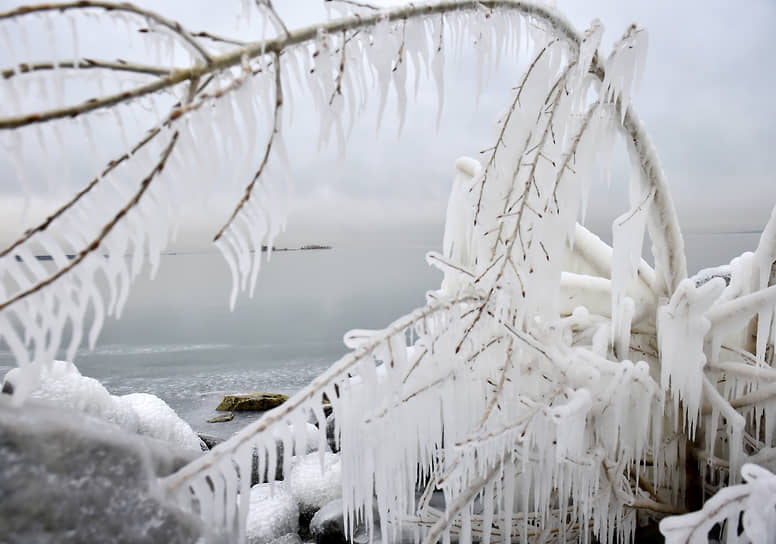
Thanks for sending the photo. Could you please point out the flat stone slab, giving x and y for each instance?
(255, 402)
(221, 419)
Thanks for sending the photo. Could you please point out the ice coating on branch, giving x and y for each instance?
(457, 245)
(682, 327)
(756, 500)
(624, 67)
(627, 240)
(765, 255)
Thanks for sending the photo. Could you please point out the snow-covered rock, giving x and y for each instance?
(273, 513)
(67, 477)
(62, 384)
(314, 485)
(328, 523)
(156, 418)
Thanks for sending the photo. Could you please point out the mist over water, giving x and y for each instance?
(178, 339)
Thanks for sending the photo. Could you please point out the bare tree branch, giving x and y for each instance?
(267, 151)
(103, 233)
(85, 64)
(275, 45)
(126, 7)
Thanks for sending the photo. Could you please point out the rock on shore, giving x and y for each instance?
(256, 402)
(68, 477)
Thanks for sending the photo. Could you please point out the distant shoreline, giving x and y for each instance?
(306, 247)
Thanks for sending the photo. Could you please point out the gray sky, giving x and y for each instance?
(705, 99)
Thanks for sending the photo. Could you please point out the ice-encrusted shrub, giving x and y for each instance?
(552, 387)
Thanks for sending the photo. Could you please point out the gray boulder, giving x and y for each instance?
(70, 478)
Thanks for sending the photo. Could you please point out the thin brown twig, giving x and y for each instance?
(356, 4)
(572, 150)
(126, 7)
(500, 139)
(340, 72)
(273, 15)
(275, 45)
(499, 387)
(84, 64)
(106, 230)
(174, 114)
(80, 194)
(216, 38)
(267, 151)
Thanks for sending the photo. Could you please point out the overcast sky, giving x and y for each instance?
(706, 99)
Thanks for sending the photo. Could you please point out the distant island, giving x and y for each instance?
(300, 248)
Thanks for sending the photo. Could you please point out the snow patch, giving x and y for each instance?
(62, 384)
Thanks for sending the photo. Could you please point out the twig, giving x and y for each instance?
(499, 387)
(356, 4)
(571, 152)
(85, 64)
(216, 38)
(340, 72)
(273, 15)
(267, 151)
(500, 139)
(174, 114)
(275, 45)
(126, 7)
(103, 233)
(462, 501)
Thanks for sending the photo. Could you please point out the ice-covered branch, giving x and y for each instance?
(151, 16)
(106, 230)
(267, 150)
(273, 46)
(756, 500)
(463, 501)
(85, 64)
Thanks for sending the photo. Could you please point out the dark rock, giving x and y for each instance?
(222, 418)
(328, 527)
(328, 524)
(331, 434)
(650, 534)
(256, 402)
(67, 478)
(210, 440)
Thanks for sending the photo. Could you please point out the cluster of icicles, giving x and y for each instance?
(549, 374)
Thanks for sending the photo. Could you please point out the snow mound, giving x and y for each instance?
(313, 487)
(272, 515)
(62, 384)
(156, 418)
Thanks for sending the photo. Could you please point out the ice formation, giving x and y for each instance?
(551, 388)
(749, 506)
(63, 385)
